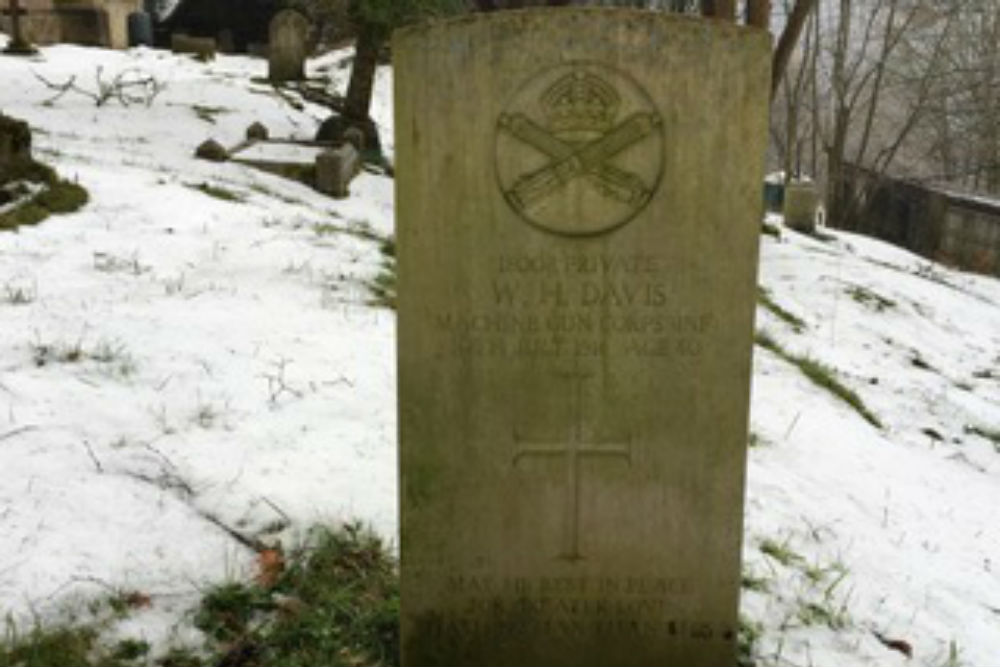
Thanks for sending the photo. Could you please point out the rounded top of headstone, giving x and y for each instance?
(355, 137)
(289, 19)
(257, 131)
(212, 150)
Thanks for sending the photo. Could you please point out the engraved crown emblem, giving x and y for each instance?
(580, 104)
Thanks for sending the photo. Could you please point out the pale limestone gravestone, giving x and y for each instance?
(288, 46)
(578, 202)
(336, 168)
(801, 202)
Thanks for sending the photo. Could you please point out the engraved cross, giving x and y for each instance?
(574, 448)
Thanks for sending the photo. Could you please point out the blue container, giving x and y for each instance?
(140, 29)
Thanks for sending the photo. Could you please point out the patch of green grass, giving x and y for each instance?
(766, 341)
(764, 298)
(780, 551)
(179, 657)
(47, 648)
(750, 633)
(216, 191)
(383, 286)
(54, 647)
(991, 434)
(363, 229)
(208, 113)
(327, 228)
(917, 361)
(821, 375)
(59, 197)
(30, 170)
(68, 645)
(816, 574)
(388, 246)
(226, 611)
(771, 230)
(130, 649)
(813, 613)
(113, 357)
(18, 295)
(751, 582)
(336, 603)
(867, 297)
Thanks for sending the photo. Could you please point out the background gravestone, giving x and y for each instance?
(801, 201)
(288, 46)
(578, 201)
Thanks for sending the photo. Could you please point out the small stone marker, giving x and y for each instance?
(336, 168)
(288, 46)
(578, 211)
(801, 201)
(257, 131)
(211, 150)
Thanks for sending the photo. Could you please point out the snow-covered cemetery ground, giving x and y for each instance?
(173, 361)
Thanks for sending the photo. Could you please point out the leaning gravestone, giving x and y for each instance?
(578, 198)
(288, 46)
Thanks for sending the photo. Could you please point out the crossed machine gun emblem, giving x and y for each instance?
(580, 140)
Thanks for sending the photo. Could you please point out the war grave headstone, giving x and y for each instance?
(578, 209)
(288, 46)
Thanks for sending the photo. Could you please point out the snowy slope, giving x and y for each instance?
(231, 368)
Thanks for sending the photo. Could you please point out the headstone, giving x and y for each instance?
(801, 201)
(18, 44)
(336, 168)
(212, 150)
(257, 132)
(203, 48)
(288, 46)
(140, 29)
(578, 209)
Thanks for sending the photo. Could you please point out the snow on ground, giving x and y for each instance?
(230, 366)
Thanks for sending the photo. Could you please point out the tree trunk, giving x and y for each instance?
(835, 203)
(359, 89)
(786, 43)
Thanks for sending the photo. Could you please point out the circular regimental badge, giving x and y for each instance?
(579, 149)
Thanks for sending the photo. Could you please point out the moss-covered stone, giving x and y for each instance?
(59, 197)
(15, 147)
